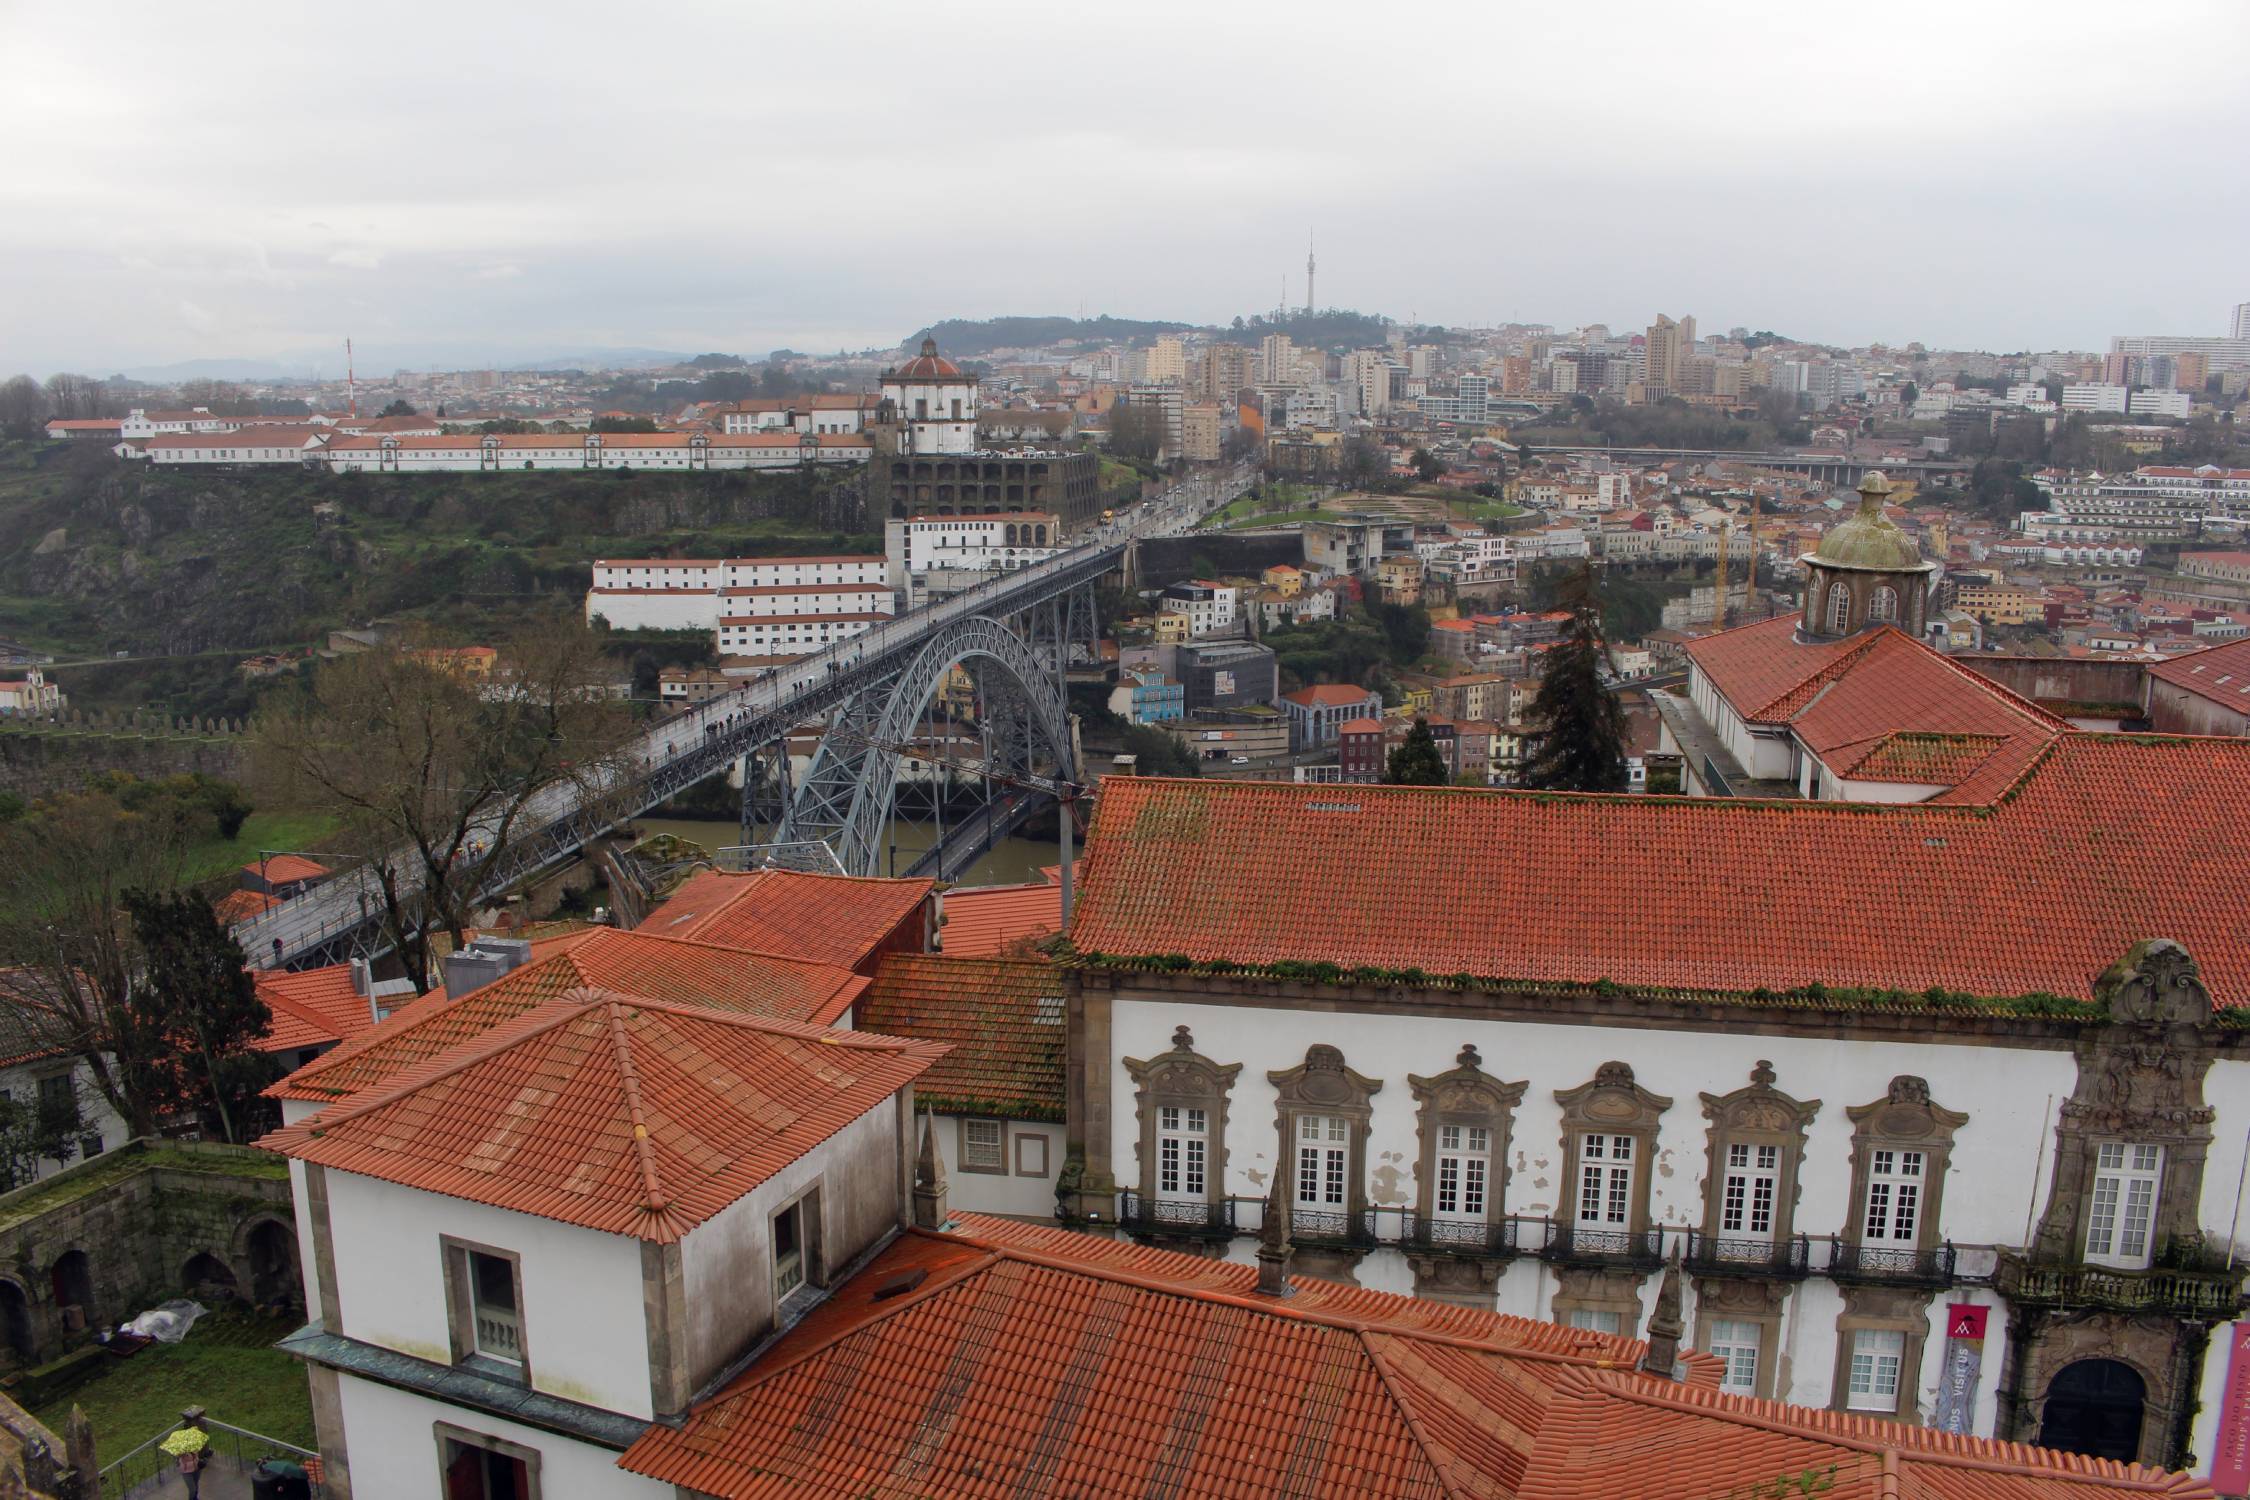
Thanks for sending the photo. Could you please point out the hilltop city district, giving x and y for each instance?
(1317, 908)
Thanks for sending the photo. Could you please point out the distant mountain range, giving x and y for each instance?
(382, 360)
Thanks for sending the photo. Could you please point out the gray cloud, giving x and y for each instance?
(739, 177)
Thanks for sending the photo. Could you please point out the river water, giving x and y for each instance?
(1012, 861)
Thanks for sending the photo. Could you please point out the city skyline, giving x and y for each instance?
(503, 199)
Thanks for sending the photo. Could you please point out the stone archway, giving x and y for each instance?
(16, 1336)
(71, 1280)
(2096, 1407)
(267, 1248)
(209, 1279)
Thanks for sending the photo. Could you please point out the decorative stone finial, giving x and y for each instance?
(1273, 1240)
(1469, 1057)
(1874, 490)
(1664, 1325)
(929, 1180)
(1614, 1075)
(1183, 1040)
(1763, 1074)
(1908, 1089)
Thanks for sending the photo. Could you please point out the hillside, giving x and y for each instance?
(99, 556)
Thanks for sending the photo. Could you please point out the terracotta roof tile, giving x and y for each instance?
(1020, 1359)
(613, 1112)
(311, 1007)
(831, 919)
(286, 869)
(1002, 1017)
(981, 921)
(241, 906)
(2104, 841)
(639, 963)
(2219, 673)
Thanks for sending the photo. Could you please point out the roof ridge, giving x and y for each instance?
(1827, 672)
(654, 1199)
(1869, 1435)
(1442, 1469)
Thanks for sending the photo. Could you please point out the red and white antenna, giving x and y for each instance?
(351, 379)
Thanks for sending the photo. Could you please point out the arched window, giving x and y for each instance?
(1181, 1098)
(1882, 604)
(1839, 608)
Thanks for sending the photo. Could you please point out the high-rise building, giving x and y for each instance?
(1168, 360)
(1669, 345)
(1277, 359)
(2240, 327)
(1222, 372)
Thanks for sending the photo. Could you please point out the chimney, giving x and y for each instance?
(1273, 1241)
(929, 1180)
(1664, 1325)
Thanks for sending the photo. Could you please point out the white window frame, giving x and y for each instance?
(1594, 1320)
(1324, 1157)
(1183, 1153)
(791, 1267)
(508, 1350)
(1839, 606)
(1897, 1183)
(988, 1153)
(1738, 1343)
(1749, 1191)
(1877, 1366)
(1464, 1174)
(1606, 1163)
(2121, 1209)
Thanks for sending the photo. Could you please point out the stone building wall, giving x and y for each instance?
(41, 761)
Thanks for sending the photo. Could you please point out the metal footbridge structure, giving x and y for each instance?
(1015, 637)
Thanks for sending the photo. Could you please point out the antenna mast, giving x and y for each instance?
(351, 377)
(1310, 304)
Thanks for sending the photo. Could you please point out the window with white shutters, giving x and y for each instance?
(1894, 1196)
(2123, 1211)
(1323, 1160)
(1182, 1141)
(1736, 1342)
(1747, 1192)
(1605, 1181)
(1877, 1354)
(1463, 1165)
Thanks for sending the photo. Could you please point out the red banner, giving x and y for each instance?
(2230, 1459)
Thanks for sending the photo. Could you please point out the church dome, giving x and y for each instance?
(1870, 541)
(928, 365)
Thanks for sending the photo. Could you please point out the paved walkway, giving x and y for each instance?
(222, 1480)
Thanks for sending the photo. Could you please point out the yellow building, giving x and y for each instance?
(1400, 578)
(1284, 580)
(1171, 627)
(1999, 603)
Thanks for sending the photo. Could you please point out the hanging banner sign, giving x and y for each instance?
(2230, 1459)
(1964, 1366)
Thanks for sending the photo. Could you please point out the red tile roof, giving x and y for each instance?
(241, 906)
(612, 1112)
(286, 869)
(638, 963)
(1002, 1017)
(1011, 1359)
(832, 919)
(311, 1007)
(2219, 673)
(981, 921)
(2107, 840)
(1842, 698)
(1330, 695)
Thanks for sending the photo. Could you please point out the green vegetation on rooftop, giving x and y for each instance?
(227, 1365)
(126, 1161)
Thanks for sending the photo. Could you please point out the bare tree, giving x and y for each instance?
(438, 771)
(68, 955)
(23, 407)
(77, 397)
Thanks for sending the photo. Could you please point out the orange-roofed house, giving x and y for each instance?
(1000, 1360)
(529, 1247)
(282, 876)
(1316, 713)
(833, 919)
(1871, 1072)
(314, 1009)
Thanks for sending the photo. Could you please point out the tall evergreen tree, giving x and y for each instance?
(1417, 762)
(1584, 750)
(197, 1002)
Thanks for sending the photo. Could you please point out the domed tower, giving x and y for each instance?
(935, 401)
(1865, 572)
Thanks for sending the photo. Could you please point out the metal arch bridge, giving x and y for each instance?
(1014, 634)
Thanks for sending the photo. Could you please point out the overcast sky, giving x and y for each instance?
(189, 182)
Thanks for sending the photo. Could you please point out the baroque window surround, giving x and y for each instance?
(1469, 1098)
(1757, 1301)
(1904, 1119)
(1323, 1085)
(1757, 1115)
(1610, 1104)
(1184, 1079)
(1897, 1310)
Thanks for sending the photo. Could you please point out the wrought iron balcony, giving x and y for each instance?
(1139, 1214)
(1567, 1245)
(2191, 1293)
(1332, 1228)
(1718, 1255)
(1476, 1239)
(1891, 1265)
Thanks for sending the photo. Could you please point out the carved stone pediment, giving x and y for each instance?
(1324, 1079)
(2156, 985)
(1466, 1088)
(1759, 1108)
(1613, 1099)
